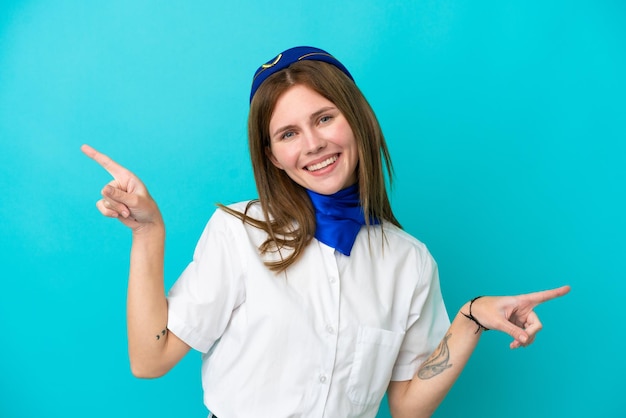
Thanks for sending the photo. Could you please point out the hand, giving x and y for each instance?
(514, 315)
(125, 197)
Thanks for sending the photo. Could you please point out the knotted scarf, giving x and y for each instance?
(339, 218)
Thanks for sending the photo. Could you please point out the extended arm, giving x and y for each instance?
(513, 315)
(152, 349)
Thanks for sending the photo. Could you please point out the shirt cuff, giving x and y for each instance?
(187, 334)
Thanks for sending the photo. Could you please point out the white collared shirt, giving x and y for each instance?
(322, 339)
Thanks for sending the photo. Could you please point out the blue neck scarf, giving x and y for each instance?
(339, 218)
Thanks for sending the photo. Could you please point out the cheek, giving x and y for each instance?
(349, 143)
(347, 136)
(282, 156)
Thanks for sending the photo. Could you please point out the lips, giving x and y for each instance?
(322, 164)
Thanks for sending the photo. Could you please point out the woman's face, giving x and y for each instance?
(312, 142)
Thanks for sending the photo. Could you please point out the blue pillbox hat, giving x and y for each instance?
(288, 57)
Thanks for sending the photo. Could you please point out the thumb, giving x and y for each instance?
(117, 199)
(116, 194)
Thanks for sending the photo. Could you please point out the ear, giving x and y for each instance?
(270, 156)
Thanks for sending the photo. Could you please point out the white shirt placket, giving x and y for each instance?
(328, 326)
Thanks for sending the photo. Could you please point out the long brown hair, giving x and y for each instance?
(289, 217)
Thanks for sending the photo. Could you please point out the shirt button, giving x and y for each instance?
(330, 329)
(323, 378)
(332, 280)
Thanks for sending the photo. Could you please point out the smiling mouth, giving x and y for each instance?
(323, 164)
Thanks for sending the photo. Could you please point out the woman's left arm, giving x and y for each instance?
(513, 315)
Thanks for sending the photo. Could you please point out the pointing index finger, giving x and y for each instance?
(105, 161)
(546, 295)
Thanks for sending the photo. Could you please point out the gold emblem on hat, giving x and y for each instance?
(273, 63)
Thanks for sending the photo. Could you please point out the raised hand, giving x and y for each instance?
(125, 197)
(514, 315)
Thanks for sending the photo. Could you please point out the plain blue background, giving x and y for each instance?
(506, 122)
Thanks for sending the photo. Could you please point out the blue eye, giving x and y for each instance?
(287, 135)
(325, 118)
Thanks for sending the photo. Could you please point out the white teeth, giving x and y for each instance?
(323, 164)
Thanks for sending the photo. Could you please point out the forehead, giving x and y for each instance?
(298, 101)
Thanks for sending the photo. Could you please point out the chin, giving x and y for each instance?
(327, 190)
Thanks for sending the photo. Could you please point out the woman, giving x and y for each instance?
(310, 301)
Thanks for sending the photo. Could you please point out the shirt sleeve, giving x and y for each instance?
(203, 298)
(427, 322)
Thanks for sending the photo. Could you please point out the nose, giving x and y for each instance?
(314, 142)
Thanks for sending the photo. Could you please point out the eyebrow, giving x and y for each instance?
(313, 116)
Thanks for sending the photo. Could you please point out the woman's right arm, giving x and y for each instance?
(153, 351)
